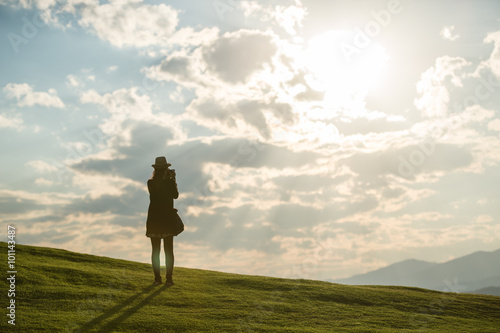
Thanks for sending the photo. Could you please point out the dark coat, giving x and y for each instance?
(161, 213)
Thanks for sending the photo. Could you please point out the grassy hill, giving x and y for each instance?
(62, 291)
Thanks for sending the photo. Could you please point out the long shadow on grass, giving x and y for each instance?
(119, 307)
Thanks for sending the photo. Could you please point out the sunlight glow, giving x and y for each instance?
(340, 78)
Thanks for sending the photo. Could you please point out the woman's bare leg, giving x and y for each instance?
(168, 244)
(155, 257)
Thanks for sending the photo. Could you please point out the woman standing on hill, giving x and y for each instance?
(163, 220)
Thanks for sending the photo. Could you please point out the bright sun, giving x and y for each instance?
(341, 76)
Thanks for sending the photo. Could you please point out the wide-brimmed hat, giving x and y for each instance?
(161, 163)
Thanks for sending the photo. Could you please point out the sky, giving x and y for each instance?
(311, 139)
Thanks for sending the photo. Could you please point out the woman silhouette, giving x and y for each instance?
(162, 189)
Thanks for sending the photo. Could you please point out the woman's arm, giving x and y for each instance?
(173, 188)
(174, 192)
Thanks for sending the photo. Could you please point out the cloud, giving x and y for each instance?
(78, 81)
(494, 125)
(483, 219)
(41, 166)
(224, 230)
(26, 3)
(231, 217)
(237, 55)
(426, 156)
(126, 109)
(238, 193)
(306, 182)
(287, 16)
(447, 33)
(494, 61)
(122, 23)
(25, 96)
(128, 200)
(72, 81)
(253, 8)
(434, 96)
(177, 67)
(7, 121)
(191, 157)
(130, 23)
(247, 116)
(233, 78)
(42, 199)
(290, 17)
(44, 182)
(217, 181)
(97, 186)
(240, 91)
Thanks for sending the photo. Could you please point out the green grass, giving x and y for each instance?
(62, 291)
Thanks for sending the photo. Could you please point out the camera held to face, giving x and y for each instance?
(170, 173)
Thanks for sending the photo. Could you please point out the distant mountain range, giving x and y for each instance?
(478, 272)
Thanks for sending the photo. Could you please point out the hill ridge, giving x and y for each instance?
(474, 271)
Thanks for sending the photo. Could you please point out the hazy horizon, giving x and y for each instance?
(310, 139)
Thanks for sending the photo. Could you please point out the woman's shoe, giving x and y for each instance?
(169, 283)
(157, 282)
